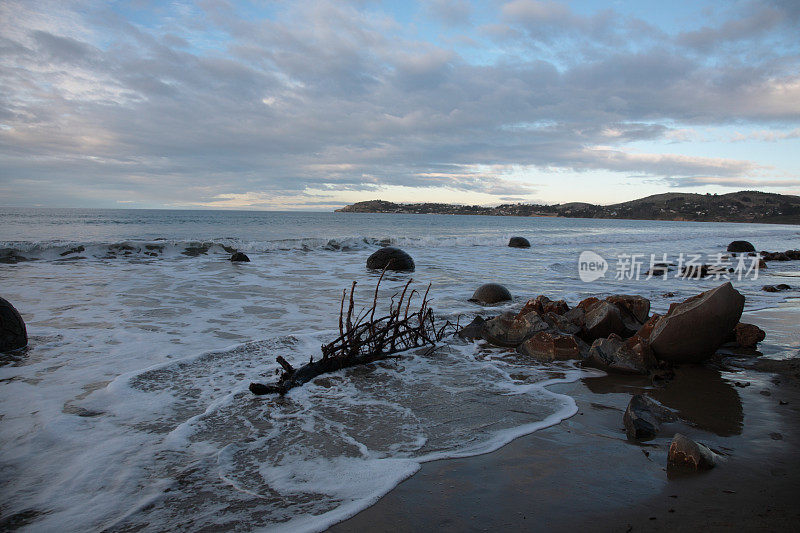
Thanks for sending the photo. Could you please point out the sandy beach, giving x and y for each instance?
(585, 474)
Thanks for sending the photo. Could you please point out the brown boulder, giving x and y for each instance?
(577, 316)
(603, 319)
(637, 307)
(588, 303)
(510, 331)
(546, 346)
(561, 323)
(647, 328)
(617, 355)
(685, 455)
(542, 304)
(693, 330)
(748, 335)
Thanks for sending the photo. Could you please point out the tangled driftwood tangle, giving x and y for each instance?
(363, 338)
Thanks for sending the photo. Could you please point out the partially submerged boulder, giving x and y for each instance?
(390, 258)
(543, 305)
(518, 242)
(472, 330)
(741, 247)
(686, 455)
(509, 330)
(490, 293)
(547, 346)
(13, 334)
(618, 355)
(239, 257)
(643, 417)
(748, 335)
(693, 330)
(776, 288)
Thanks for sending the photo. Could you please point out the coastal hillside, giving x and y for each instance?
(742, 206)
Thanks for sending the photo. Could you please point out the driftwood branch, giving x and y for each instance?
(362, 341)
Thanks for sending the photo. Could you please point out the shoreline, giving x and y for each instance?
(584, 473)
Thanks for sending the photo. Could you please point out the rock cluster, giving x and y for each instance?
(788, 255)
(617, 333)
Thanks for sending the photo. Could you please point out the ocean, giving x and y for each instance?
(129, 410)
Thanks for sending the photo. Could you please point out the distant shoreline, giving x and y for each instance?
(741, 207)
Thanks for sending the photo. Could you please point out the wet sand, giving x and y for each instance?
(584, 473)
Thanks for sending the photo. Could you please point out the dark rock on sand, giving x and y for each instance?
(240, 257)
(472, 330)
(643, 417)
(518, 242)
(13, 334)
(685, 455)
(546, 346)
(603, 319)
(490, 293)
(510, 331)
(693, 330)
(390, 258)
(748, 335)
(776, 288)
(741, 247)
(618, 355)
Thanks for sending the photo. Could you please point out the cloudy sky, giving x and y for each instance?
(315, 104)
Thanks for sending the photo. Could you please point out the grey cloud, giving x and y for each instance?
(330, 97)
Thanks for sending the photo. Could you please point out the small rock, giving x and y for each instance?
(546, 346)
(748, 335)
(490, 293)
(685, 455)
(519, 242)
(741, 247)
(776, 288)
(510, 331)
(390, 258)
(742, 384)
(13, 334)
(240, 257)
(643, 417)
(776, 436)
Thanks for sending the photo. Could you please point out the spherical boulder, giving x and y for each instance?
(13, 334)
(240, 257)
(390, 258)
(490, 293)
(518, 242)
(741, 247)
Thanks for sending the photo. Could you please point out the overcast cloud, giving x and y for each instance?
(315, 104)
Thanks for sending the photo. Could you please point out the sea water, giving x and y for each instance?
(129, 409)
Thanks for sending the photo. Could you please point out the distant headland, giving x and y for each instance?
(742, 206)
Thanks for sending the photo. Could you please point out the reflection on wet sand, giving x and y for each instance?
(699, 394)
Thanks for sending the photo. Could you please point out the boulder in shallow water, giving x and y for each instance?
(510, 331)
(543, 305)
(490, 293)
(748, 335)
(518, 242)
(693, 330)
(546, 346)
(776, 288)
(643, 417)
(686, 455)
(240, 257)
(390, 258)
(472, 330)
(13, 334)
(741, 247)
